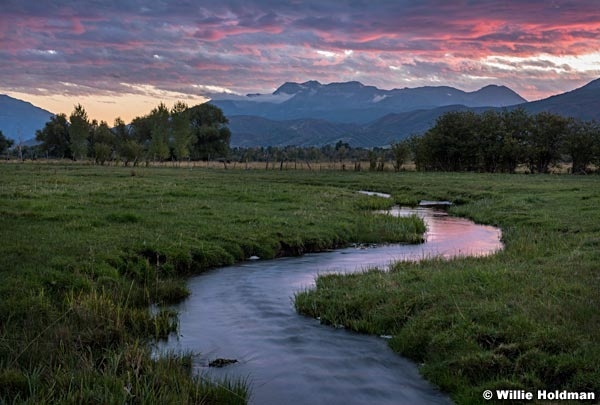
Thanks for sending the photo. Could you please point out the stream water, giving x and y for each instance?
(246, 312)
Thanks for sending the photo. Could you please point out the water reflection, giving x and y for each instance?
(451, 236)
(245, 312)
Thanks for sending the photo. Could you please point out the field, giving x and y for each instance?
(87, 250)
(526, 318)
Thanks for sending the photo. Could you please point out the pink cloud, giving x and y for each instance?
(78, 27)
(256, 45)
(209, 34)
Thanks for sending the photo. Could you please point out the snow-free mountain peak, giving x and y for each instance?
(354, 102)
(293, 87)
(20, 119)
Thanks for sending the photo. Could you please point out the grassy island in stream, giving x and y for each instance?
(526, 318)
(86, 250)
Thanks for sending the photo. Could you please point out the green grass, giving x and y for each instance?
(526, 318)
(87, 250)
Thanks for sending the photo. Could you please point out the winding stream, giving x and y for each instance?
(245, 312)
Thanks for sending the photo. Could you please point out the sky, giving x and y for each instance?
(121, 58)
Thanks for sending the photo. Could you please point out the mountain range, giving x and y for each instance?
(310, 113)
(353, 102)
(19, 119)
(315, 114)
(428, 104)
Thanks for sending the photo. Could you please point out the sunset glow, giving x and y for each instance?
(123, 58)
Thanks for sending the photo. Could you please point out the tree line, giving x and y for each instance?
(493, 141)
(179, 133)
(502, 141)
(348, 157)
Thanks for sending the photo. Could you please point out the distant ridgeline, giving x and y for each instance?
(313, 114)
(492, 141)
(353, 102)
(19, 119)
(333, 121)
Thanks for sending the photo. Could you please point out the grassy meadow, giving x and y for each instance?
(526, 318)
(86, 252)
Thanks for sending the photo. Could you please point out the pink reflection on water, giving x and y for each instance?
(246, 312)
(452, 236)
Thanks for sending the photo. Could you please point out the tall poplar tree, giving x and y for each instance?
(79, 131)
(159, 124)
(181, 130)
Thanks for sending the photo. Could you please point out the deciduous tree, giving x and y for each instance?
(5, 143)
(54, 137)
(104, 143)
(159, 124)
(208, 124)
(79, 131)
(544, 143)
(401, 153)
(582, 144)
(181, 130)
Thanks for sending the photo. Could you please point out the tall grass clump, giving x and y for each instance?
(390, 228)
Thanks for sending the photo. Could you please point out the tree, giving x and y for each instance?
(79, 131)
(102, 152)
(141, 130)
(491, 133)
(5, 143)
(181, 130)
(159, 124)
(581, 144)
(372, 160)
(131, 151)
(54, 137)
(120, 130)
(450, 145)
(545, 140)
(104, 143)
(517, 126)
(341, 150)
(211, 135)
(401, 152)
(122, 133)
